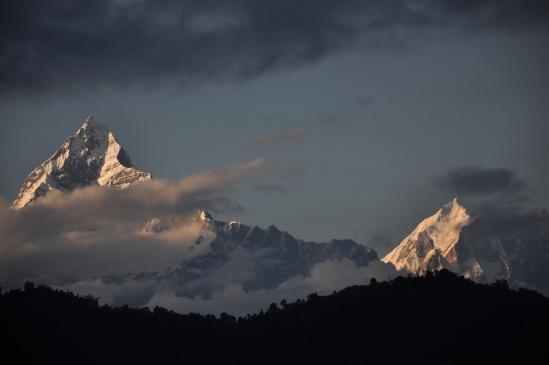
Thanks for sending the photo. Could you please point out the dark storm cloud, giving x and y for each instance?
(63, 44)
(497, 198)
(506, 217)
(472, 180)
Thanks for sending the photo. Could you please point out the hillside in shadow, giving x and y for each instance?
(436, 319)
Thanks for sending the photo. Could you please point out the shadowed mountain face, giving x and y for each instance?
(456, 240)
(255, 257)
(91, 156)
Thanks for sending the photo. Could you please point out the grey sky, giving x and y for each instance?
(371, 127)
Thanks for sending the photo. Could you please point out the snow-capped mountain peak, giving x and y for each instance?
(452, 239)
(444, 226)
(91, 156)
(204, 216)
(434, 238)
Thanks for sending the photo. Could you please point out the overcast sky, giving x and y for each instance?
(377, 112)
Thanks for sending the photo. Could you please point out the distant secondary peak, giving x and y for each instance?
(204, 215)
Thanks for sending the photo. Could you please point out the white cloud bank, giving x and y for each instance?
(94, 231)
(323, 278)
(228, 293)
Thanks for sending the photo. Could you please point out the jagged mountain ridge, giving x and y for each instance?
(270, 256)
(94, 156)
(91, 156)
(451, 239)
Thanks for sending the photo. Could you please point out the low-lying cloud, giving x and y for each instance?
(324, 278)
(99, 231)
(230, 295)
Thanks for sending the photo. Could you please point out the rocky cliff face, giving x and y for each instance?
(258, 258)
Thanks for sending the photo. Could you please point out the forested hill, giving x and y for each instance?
(436, 319)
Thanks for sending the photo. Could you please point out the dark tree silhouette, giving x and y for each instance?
(436, 319)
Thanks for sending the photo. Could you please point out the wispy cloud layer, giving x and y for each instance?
(97, 230)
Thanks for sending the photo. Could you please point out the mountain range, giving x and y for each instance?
(267, 257)
(257, 258)
(449, 239)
